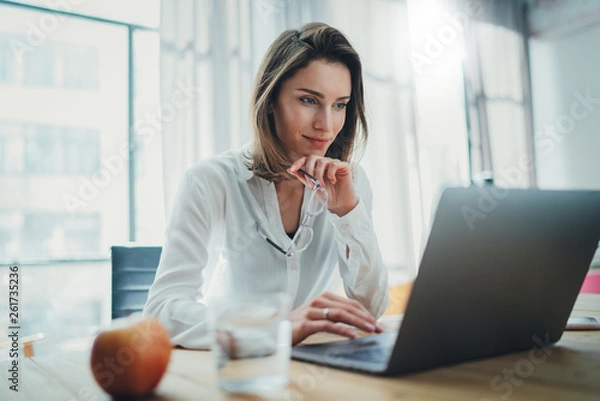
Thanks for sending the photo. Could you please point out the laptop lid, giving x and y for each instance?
(500, 273)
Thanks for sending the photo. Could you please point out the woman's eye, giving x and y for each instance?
(341, 106)
(308, 100)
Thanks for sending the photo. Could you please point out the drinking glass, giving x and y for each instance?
(252, 341)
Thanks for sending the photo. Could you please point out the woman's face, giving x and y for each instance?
(311, 108)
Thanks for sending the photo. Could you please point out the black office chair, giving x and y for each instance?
(133, 271)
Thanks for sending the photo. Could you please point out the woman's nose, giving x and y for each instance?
(324, 120)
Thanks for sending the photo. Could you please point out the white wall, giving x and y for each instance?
(564, 70)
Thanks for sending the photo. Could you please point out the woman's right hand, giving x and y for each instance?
(322, 314)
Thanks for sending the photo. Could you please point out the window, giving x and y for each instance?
(79, 67)
(41, 152)
(65, 136)
(40, 66)
(11, 159)
(8, 234)
(7, 60)
(137, 12)
(147, 138)
(81, 150)
(68, 182)
(55, 150)
(502, 90)
(64, 125)
(2, 155)
(60, 235)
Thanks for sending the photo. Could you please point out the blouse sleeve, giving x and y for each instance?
(173, 297)
(361, 266)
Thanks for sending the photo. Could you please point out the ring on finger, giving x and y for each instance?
(326, 313)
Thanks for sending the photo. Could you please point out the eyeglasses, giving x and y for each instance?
(316, 203)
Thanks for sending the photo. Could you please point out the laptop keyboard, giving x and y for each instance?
(370, 351)
(371, 354)
(365, 354)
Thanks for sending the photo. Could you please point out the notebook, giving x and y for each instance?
(500, 273)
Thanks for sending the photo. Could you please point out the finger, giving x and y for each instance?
(338, 315)
(320, 168)
(309, 164)
(305, 177)
(352, 312)
(349, 304)
(330, 327)
(330, 172)
(342, 168)
(367, 321)
(298, 174)
(297, 164)
(295, 170)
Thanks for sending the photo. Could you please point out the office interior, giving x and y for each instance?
(105, 104)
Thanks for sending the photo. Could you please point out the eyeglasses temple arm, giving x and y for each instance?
(310, 176)
(275, 245)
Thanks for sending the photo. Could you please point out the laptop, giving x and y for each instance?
(500, 273)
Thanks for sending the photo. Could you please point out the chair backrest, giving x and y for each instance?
(133, 271)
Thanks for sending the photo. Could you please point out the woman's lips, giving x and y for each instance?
(317, 142)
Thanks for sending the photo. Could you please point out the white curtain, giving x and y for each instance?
(205, 46)
(436, 120)
(215, 47)
(498, 94)
(379, 32)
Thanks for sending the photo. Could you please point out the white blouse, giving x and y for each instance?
(223, 210)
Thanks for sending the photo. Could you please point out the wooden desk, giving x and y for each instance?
(571, 371)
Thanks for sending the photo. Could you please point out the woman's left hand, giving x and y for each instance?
(323, 314)
(336, 177)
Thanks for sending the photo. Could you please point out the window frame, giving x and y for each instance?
(131, 118)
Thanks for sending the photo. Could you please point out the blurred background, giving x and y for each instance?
(105, 104)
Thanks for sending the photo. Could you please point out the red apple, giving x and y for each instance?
(130, 361)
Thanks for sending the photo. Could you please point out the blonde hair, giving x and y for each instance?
(290, 52)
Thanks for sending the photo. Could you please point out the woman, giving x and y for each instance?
(261, 204)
